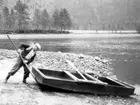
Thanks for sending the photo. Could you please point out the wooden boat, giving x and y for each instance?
(72, 81)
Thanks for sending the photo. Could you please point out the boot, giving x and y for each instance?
(24, 81)
(6, 79)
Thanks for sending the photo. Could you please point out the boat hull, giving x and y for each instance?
(59, 80)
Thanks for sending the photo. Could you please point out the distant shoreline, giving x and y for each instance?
(104, 31)
(69, 32)
(30, 31)
(72, 35)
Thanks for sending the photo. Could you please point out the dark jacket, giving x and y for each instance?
(26, 48)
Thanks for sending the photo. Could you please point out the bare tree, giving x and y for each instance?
(37, 19)
(6, 17)
(65, 19)
(22, 15)
(12, 19)
(56, 19)
(45, 19)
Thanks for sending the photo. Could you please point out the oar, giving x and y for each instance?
(72, 65)
(85, 79)
(71, 75)
(18, 53)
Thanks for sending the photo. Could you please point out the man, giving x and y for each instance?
(28, 53)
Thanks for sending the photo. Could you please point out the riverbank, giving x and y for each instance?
(33, 31)
(29, 37)
(15, 93)
(69, 31)
(57, 61)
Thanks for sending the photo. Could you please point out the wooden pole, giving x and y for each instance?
(19, 53)
(14, 45)
(72, 65)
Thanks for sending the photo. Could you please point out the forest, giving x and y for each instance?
(78, 15)
(18, 20)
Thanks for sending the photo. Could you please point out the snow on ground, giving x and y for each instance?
(17, 93)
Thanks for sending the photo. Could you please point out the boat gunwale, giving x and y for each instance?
(47, 77)
(79, 80)
(82, 81)
(121, 83)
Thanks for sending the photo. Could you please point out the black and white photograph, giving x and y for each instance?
(69, 52)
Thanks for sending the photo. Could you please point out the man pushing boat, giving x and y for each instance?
(27, 54)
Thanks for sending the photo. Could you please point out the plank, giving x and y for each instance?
(71, 75)
(95, 79)
(72, 65)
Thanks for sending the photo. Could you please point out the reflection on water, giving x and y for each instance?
(128, 70)
(124, 51)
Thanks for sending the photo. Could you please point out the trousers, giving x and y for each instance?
(17, 66)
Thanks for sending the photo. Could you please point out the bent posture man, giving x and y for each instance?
(28, 53)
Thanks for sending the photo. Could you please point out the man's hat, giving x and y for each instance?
(38, 46)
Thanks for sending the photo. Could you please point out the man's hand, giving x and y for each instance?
(19, 50)
(29, 48)
(25, 61)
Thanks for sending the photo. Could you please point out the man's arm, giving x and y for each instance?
(23, 46)
(32, 59)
